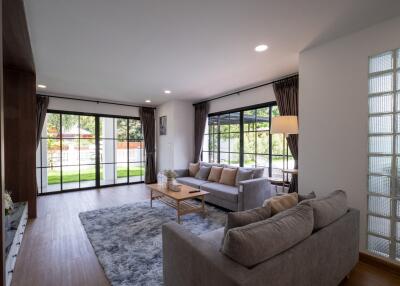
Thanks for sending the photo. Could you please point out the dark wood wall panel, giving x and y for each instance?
(20, 135)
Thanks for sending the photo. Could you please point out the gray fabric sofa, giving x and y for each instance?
(247, 194)
(323, 258)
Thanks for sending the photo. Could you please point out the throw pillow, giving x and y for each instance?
(215, 174)
(237, 219)
(243, 175)
(258, 173)
(203, 173)
(328, 209)
(281, 203)
(308, 196)
(193, 169)
(228, 176)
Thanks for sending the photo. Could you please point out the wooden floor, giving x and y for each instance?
(56, 251)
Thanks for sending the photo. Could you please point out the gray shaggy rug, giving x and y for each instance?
(127, 239)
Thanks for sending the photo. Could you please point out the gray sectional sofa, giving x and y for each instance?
(244, 195)
(311, 244)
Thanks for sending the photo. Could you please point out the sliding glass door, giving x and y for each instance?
(79, 151)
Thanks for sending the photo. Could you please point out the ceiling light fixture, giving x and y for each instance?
(261, 48)
(167, 91)
(41, 86)
(148, 101)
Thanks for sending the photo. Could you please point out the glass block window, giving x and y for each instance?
(383, 237)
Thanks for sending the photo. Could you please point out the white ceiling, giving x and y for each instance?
(131, 50)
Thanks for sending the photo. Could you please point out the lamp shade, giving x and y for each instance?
(284, 125)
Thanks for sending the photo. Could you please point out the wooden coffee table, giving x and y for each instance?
(180, 201)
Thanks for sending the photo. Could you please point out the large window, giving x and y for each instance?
(243, 138)
(383, 237)
(79, 151)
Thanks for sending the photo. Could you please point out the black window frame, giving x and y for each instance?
(97, 163)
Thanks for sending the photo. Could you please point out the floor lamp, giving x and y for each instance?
(285, 125)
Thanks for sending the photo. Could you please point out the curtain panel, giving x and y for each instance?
(42, 103)
(287, 99)
(200, 121)
(148, 126)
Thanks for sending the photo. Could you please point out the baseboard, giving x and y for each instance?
(380, 262)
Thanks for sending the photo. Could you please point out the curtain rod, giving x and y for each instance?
(93, 100)
(247, 89)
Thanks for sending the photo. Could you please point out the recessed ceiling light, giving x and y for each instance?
(41, 86)
(148, 101)
(261, 48)
(167, 91)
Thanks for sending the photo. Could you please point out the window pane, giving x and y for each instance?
(206, 143)
(234, 122)
(381, 62)
(277, 162)
(122, 173)
(70, 152)
(87, 151)
(234, 159)
(378, 245)
(135, 129)
(234, 142)
(249, 118)
(224, 142)
(381, 144)
(224, 123)
(136, 172)
(224, 158)
(381, 103)
(107, 174)
(249, 142)
(70, 126)
(70, 177)
(213, 124)
(206, 157)
(214, 143)
(379, 225)
(262, 142)
(277, 144)
(381, 124)
(380, 165)
(262, 160)
(274, 111)
(379, 205)
(53, 125)
(249, 160)
(87, 127)
(379, 185)
(262, 119)
(87, 176)
(106, 127)
(53, 179)
(381, 83)
(122, 128)
(107, 151)
(53, 153)
(135, 151)
(121, 150)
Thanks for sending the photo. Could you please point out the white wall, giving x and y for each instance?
(175, 149)
(252, 97)
(92, 107)
(333, 113)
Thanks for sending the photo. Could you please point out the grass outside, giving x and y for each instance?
(53, 177)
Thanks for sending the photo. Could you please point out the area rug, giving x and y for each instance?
(127, 239)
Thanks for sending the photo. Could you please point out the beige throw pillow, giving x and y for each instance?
(228, 176)
(281, 203)
(193, 169)
(215, 174)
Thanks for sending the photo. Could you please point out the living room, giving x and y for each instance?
(200, 143)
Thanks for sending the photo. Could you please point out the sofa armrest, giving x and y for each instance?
(252, 193)
(189, 260)
(182, 173)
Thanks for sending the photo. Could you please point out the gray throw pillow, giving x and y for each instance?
(203, 173)
(258, 173)
(243, 175)
(256, 242)
(237, 219)
(308, 196)
(328, 209)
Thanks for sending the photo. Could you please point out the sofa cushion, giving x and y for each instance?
(205, 164)
(309, 196)
(224, 192)
(243, 175)
(237, 219)
(258, 173)
(328, 209)
(193, 169)
(203, 173)
(256, 242)
(228, 176)
(214, 237)
(215, 174)
(281, 203)
(191, 182)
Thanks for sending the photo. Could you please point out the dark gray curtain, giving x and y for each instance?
(42, 103)
(200, 120)
(287, 98)
(148, 126)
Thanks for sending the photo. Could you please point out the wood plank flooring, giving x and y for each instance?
(56, 251)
